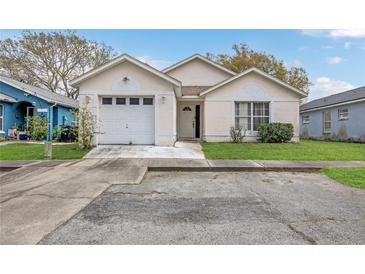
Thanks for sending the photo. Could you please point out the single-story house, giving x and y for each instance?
(19, 100)
(339, 116)
(194, 99)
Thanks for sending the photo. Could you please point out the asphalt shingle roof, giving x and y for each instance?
(351, 95)
(40, 92)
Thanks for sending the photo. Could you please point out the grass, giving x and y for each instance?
(351, 176)
(36, 152)
(304, 150)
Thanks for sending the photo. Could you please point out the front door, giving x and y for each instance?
(30, 113)
(187, 121)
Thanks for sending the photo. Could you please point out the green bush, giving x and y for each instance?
(37, 128)
(276, 132)
(56, 133)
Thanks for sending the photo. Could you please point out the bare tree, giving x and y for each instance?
(50, 60)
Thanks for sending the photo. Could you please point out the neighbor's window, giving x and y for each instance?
(249, 115)
(1, 117)
(107, 101)
(343, 114)
(326, 122)
(305, 119)
(148, 101)
(120, 101)
(134, 101)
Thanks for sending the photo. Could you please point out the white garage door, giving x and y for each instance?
(127, 120)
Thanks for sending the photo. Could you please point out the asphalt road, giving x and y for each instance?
(221, 208)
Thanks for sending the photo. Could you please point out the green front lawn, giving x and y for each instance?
(351, 176)
(304, 150)
(19, 151)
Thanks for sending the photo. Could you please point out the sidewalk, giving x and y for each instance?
(190, 164)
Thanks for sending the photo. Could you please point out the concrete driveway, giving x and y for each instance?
(221, 208)
(37, 198)
(181, 150)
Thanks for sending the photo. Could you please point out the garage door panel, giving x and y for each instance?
(125, 124)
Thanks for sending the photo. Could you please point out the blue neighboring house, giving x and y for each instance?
(339, 116)
(19, 100)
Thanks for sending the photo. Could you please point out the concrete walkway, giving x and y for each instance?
(181, 150)
(173, 164)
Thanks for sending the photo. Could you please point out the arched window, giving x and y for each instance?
(186, 109)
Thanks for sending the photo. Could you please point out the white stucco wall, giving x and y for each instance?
(198, 73)
(140, 83)
(220, 105)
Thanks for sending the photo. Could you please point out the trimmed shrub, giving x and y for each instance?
(275, 132)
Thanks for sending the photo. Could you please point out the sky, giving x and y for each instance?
(334, 59)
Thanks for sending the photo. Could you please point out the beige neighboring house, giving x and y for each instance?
(195, 99)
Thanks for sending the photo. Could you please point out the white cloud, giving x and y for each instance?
(325, 86)
(347, 45)
(336, 33)
(156, 63)
(352, 33)
(334, 60)
(327, 47)
(313, 32)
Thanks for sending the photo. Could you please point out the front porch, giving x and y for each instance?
(190, 122)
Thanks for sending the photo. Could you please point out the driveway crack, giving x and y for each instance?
(305, 237)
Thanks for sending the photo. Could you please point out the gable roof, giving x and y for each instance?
(118, 60)
(260, 72)
(200, 57)
(42, 93)
(339, 98)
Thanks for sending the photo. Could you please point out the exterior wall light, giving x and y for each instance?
(125, 79)
(163, 99)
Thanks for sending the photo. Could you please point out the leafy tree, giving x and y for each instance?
(49, 60)
(244, 58)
